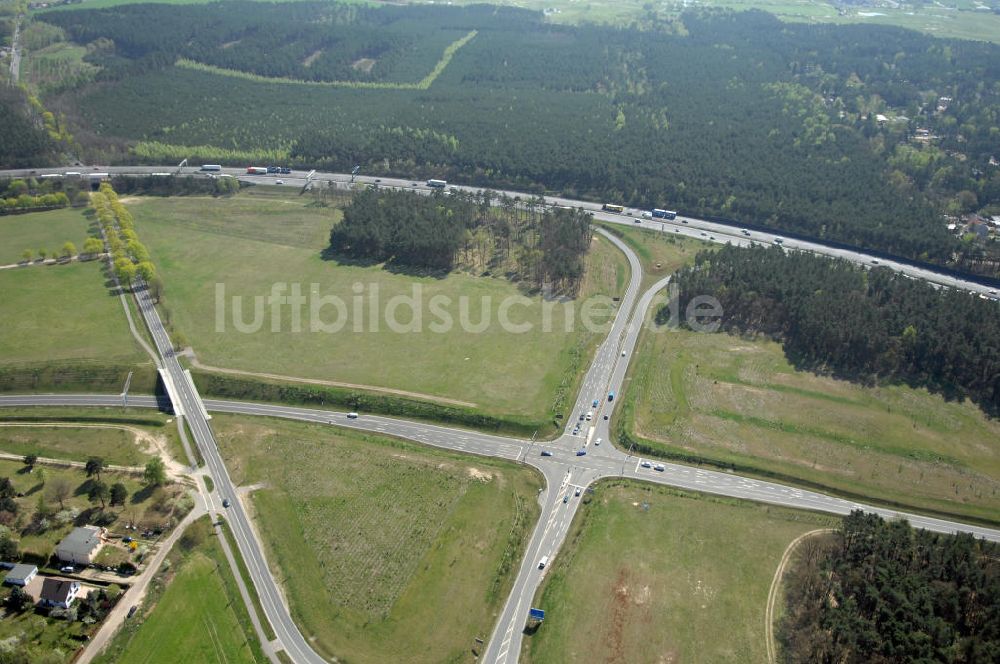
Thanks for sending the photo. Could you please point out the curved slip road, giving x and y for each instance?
(564, 471)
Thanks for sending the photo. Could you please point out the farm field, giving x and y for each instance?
(60, 313)
(194, 612)
(42, 230)
(647, 572)
(250, 242)
(387, 551)
(739, 402)
(958, 20)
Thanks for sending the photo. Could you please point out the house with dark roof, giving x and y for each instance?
(59, 592)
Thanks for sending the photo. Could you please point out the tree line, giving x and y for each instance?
(717, 113)
(518, 238)
(26, 194)
(129, 257)
(866, 325)
(885, 592)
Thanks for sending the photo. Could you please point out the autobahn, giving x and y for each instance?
(684, 226)
(564, 471)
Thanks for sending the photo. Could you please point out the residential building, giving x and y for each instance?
(59, 592)
(20, 575)
(81, 545)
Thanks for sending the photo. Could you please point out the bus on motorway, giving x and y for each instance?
(440, 184)
(211, 167)
(617, 209)
(664, 214)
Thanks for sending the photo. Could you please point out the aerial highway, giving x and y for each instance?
(565, 470)
(693, 227)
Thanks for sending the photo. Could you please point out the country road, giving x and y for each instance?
(564, 469)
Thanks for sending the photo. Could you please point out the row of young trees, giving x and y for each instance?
(129, 257)
(20, 194)
(885, 592)
(521, 239)
(91, 248)
(868, 325)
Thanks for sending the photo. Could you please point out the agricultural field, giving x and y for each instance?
(387, 551)
(59, 313)
(965, 19)
(739, 402)
(48, 230)
(647, 572)
(193, 612)
(247, 243)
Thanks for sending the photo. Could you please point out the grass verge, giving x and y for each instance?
(247, 581)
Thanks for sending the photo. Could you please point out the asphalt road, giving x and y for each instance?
(185, 396)
(564, 471)
(682, 226)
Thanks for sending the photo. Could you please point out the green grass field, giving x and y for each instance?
(739, 402)
(650, 574)
(660, 254)
(194, 612)
(387, 551)
(117, 446)
(114, 445)
(41, 230)
(62, 312)
(250, 242)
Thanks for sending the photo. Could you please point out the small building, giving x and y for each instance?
(20, 575)
(81, 546)
(59, 592)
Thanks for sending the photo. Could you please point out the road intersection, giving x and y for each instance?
(564, 470)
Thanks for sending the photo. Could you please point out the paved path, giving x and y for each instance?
(80, 258)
